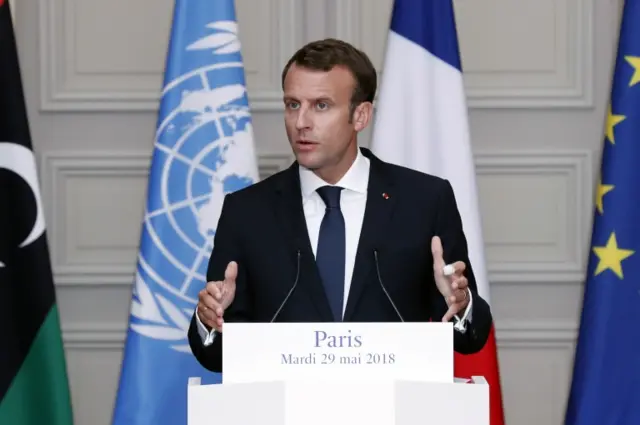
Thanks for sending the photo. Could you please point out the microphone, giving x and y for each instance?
(295, 283)
(375, 254)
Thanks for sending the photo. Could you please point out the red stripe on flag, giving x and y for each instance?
(484, 363)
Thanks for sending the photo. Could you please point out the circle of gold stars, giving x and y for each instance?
(611, 256)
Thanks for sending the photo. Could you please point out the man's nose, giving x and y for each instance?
(303, 120)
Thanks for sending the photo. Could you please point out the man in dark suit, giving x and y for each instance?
(360, 239)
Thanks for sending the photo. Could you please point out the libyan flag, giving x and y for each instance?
(34, 389)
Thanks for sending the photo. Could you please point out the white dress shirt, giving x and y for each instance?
(353, 200)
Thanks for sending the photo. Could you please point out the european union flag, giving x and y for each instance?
(606, 377)
(203, 150)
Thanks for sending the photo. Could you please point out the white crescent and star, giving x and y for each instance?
(20, 160)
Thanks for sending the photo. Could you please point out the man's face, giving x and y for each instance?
(317, 119)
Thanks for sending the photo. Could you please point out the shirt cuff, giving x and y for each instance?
(461, 324)
(206, 336)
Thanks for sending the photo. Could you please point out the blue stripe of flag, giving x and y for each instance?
(430, 24)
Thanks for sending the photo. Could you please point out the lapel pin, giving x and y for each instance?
(385, 196)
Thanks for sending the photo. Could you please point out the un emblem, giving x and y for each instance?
(203, 150)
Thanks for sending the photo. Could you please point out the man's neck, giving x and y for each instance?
(333, 174)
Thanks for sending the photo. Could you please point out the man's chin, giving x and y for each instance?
(308, 161)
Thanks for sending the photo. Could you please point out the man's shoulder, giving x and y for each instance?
(410, 178)
(424, 191)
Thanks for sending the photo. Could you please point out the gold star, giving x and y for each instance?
(634, 61)
(612, 120)
(602, 190)
(611, 256)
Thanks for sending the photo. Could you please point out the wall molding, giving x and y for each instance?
(56, 169)
(571, 89)
(93, 337)
(64, 88)
(536, 334)
(58, 166)
(574, 166)
(577, 91)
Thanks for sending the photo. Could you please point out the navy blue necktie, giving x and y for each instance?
(330, 256)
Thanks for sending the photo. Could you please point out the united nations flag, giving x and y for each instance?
(203, 150)
(606, 376)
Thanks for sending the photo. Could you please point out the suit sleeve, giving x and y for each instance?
(454, 243)
(227, 247)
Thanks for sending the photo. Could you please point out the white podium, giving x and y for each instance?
(380, 374)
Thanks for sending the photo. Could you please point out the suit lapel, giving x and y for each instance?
(290, 216)
(378, 212)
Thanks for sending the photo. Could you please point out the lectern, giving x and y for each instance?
(339, 374)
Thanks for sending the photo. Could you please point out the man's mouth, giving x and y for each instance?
(305, 145)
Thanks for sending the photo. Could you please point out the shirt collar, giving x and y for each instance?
(356, 178)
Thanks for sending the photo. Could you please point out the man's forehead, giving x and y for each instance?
(318, 82)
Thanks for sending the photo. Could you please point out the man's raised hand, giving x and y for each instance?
(450, 281)
(214, 299)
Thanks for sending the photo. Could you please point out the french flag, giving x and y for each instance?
(421, 123)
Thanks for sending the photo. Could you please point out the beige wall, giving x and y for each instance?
(537, 78)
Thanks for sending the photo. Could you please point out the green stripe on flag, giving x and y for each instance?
(39, 393)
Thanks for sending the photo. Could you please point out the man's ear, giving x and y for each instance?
(362, 115)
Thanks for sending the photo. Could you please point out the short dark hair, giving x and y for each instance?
(323, 55)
